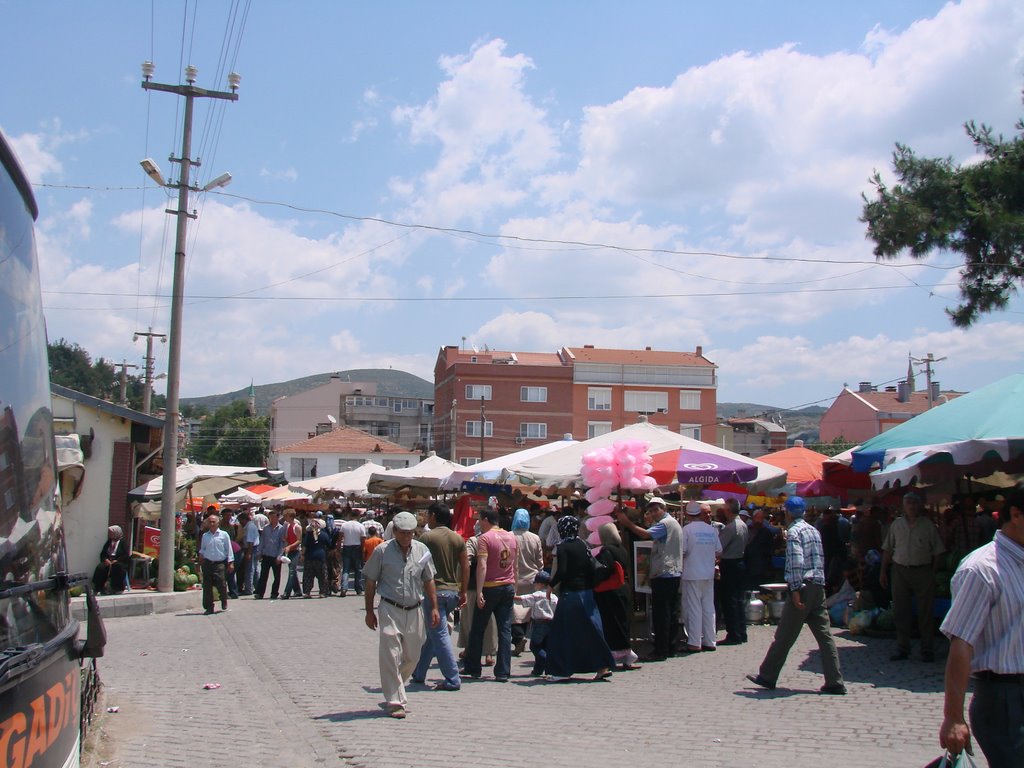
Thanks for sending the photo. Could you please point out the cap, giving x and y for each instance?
(796, 506)
(405, 521)
(656, 500)
(912, 497)
(744, 513)
(542, 577)
(693, 508)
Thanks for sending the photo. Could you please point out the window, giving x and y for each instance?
(473, 429)
(302, 469)
(532, 430)
(646, 402)
(689, 399)
(478, 391)
(599, 399)
(468, 461)
(690, 430)
(399, 404)
(533, 394)
(395, 463)
(426, 431)
(598, 428)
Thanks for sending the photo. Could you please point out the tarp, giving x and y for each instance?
(699, 467)
(978, 433)
(495, 469)
(804, 467)
(348, 482)
(563, 466)
(223, 479)
(427, 477)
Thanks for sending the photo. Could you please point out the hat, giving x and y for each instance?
(693, 508)
(796, 506)
(405, 521)
(744, 513)
(542, 577)
(656, 500)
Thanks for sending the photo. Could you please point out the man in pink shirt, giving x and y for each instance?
(496, 569)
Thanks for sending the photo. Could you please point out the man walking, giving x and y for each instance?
(986, 638)
(665, 572)
(451, 561)
(912, 546)
(292, 547)
(496, 574)
(734, 545)
(352, 535)
(271, 549)
(215, 560)
(402, 571)
(805, 575)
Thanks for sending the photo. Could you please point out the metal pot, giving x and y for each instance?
(755, 609)
(775, 609)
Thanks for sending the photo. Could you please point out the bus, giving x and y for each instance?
(48, 680)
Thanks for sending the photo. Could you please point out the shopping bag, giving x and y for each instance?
(963, 760)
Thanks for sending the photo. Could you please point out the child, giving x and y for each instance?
(542, 610)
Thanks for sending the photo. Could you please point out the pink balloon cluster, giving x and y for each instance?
(624, 465)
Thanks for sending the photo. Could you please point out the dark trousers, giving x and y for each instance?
(113, 575)
(268, 565)
(498, 601)
(291, 584)
(914, 583)
(352, 563)
(793, 619)
(538, 646)
(314, 569)
(997, 721)
(213, 576)
(665, 610)
(733, 611)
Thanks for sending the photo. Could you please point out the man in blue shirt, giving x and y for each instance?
(215, 560)
(805, 575)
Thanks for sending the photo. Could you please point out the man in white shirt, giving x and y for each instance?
(701, 550)
(352, 535)
(215, 559)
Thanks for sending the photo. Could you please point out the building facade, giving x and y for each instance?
(859, 416)
(405, 420)
(491, 403)
(340, 450)
(752, 437)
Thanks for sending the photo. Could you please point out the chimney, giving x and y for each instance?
(903, 392)
(647, 349)
(865, 386)
(700, 351)
(798, 443)
(936, 391)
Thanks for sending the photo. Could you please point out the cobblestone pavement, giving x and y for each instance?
(299, 687)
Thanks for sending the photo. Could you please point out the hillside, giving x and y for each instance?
(801, 424)
(390, 383)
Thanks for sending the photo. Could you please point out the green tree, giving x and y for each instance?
(975, 210)
(835, 447)
(231, 436)
(71, 366)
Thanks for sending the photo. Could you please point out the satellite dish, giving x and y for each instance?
(331, 419)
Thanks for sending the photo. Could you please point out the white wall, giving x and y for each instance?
(327, 463)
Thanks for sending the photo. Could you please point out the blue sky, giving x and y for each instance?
(711, 156)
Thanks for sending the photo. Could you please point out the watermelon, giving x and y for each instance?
(193, 579)
(886, 621)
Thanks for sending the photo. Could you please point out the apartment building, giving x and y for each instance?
(490, 402)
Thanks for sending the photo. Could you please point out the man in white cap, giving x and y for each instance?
(402, 571)
(702, 549)
(666, 570)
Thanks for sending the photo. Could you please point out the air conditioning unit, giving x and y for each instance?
(520, 441)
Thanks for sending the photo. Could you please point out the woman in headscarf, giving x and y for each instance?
(576, 642)
(613, 603)
(115, 558)
(315, 543)
(530, 555)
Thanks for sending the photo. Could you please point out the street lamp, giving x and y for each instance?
(165, 576)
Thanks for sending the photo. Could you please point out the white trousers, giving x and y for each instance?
(699, 612)
(401, 638)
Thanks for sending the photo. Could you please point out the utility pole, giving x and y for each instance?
(147, 392)
(123, 380)
(165, 576)
(482, 422)
(927, 361)
(454, 427)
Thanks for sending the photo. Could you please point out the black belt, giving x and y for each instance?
(217, 562)
(996, 677)
(389, 601)
(923, 565)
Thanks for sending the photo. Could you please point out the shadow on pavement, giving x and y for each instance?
(357, 714)
(869, 663)
(778, 693)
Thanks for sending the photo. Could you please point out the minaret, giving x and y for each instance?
(252, 398)
(910, 374)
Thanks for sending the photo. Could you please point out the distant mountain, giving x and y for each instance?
(801, 424)
(390, 383)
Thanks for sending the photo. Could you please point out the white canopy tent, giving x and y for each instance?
(350, 482)
(493, 469)
(221, 479)
(427, 477)
(562, 467)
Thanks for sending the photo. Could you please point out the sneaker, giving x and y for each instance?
(760, 681)
(833, 690)
(519, 647)
(208, 612)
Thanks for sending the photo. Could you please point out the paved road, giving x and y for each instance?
(299, 687)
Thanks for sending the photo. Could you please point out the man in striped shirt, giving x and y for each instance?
(805, 575)
(986, 634)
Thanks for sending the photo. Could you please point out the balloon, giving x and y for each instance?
(601, 507)
(594, 538)
(649, 483)
(593, 495)
(635, 484)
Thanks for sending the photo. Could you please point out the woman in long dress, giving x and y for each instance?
(614, 604)
(576, 642)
